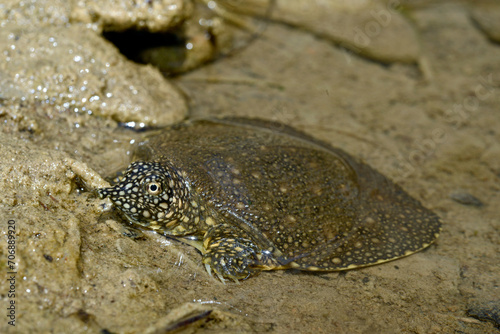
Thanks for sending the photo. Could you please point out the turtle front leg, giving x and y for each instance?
(229, 254)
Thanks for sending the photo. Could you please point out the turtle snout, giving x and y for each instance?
(103, 193)
(110, 193)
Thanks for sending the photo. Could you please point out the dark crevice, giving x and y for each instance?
(133, 43)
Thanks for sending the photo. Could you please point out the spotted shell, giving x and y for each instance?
(312, 206)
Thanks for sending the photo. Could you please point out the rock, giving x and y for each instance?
(119, 15)
(74, 70)
(487, 16)
(369, 28)
(466, 198)
(485, 310)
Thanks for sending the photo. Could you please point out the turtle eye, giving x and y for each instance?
(153, 188)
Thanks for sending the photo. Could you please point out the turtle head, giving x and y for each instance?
(151, 194)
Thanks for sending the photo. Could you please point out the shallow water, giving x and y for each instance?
(432, 126)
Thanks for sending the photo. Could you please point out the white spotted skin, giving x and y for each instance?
(163, 208)
(264, 196)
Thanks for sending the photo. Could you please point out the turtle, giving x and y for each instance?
(256, 195)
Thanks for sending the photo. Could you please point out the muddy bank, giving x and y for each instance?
(430, 124)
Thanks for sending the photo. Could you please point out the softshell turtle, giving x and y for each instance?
(257, 195)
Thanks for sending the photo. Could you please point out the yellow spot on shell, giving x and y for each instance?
(255, 175)
(179, 229)
(210, 221)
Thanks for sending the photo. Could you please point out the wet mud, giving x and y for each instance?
(426, 117)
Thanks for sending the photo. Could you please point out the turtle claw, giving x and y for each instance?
(209, 270)
(229, 255)
(226, 264)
